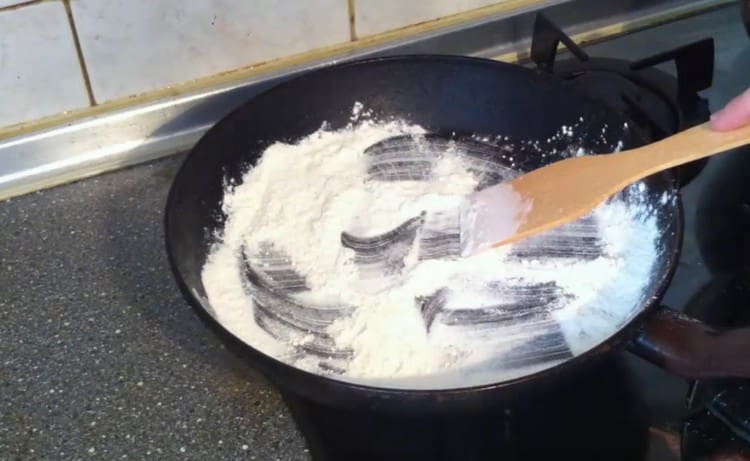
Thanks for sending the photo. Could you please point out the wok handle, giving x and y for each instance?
(691, 349)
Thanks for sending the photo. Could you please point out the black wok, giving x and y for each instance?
(445, 95)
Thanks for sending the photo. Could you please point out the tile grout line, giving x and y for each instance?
(20, 5)
(352, 20)
(79, 52)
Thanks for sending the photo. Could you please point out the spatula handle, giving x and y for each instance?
(689, 145)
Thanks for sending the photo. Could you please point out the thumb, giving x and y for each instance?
(734, 115)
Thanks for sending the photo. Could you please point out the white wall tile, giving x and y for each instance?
(135, 46)
(376, 16)
(39, 70)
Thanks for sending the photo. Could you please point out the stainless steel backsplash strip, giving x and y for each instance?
(135, 134)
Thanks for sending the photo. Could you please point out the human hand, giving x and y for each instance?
(734, 115)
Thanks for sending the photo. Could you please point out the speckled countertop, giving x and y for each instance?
(100, 357)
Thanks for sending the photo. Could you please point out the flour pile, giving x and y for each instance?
(335, 262)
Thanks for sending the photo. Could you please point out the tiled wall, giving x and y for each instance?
(60, 55)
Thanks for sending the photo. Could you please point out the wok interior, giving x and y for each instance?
(447, 96)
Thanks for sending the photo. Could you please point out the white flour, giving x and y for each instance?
(302, 197)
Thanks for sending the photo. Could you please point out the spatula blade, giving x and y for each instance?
(491, 215)
(538, 201)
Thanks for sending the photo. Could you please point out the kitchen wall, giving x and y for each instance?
(63, 55)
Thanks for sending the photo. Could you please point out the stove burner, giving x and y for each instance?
(657, 103)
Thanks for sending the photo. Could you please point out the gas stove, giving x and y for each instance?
(625, 409)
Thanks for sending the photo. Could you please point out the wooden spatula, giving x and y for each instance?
(569, 189)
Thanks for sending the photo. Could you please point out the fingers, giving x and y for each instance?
(734, 115)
